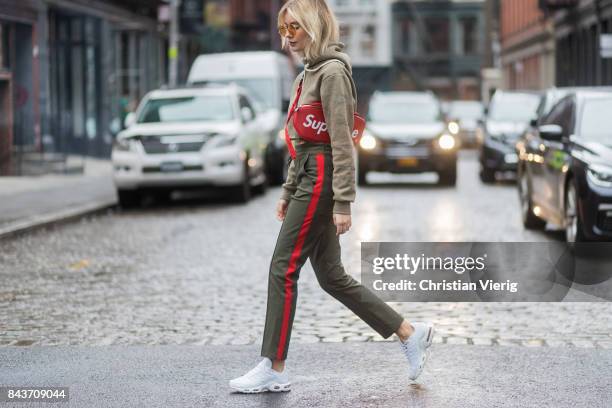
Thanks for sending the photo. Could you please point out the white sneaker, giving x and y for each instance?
(262, 378)
(415, 348)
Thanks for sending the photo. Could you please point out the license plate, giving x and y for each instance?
(408, 162)
(170, 167)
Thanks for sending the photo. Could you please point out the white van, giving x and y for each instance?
(268, 76)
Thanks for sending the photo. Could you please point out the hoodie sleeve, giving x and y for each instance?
(338, 108)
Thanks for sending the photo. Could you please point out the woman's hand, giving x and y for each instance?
(342, 223)
(281, 209)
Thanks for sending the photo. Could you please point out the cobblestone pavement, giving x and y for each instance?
(195, 272)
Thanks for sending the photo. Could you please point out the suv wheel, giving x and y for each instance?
(128, 198)
(242, 192)
(487, 175)
(448, 177)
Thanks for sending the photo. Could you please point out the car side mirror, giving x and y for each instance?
(246, 114)
(129, 120)
(551, 132)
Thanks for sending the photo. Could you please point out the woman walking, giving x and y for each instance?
(315, 203)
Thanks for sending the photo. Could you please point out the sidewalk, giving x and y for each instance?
(323, 375)
(27, 202)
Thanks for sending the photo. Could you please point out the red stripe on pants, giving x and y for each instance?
(312, 206)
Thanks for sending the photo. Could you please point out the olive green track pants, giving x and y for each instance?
(308, 231)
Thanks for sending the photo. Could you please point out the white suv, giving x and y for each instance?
(192, 137)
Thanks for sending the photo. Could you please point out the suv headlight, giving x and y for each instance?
(446, 142)
(124, 144)
(222, 140)
(368, 141)
(600, 175)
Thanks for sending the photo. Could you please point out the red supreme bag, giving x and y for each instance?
(309, 123)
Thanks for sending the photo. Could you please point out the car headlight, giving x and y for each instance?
(223, 140)
(124, 144)
(453, 127)
(600, 175)
(446, 142)
(368, 141)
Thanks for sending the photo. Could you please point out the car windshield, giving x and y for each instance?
(594, 114)
(261, 89)
(514, 107)
(466, 110)
(398, 110)
(187, 109)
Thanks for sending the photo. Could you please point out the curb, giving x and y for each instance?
(58, 217)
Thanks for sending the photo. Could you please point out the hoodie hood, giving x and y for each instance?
(332, 52)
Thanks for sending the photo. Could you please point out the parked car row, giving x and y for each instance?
(565, 164)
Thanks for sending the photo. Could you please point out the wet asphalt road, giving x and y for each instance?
(322, 375)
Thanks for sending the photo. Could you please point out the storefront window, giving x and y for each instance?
(91, 28)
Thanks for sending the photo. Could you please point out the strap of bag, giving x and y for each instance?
(289, 115)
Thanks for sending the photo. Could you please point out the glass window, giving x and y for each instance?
(405, 35)
(262, 90)
(244, 103)
(515, 107)
(345, 35)
(466, 110)
(405, 110)
(438, 30)
(78, 97)
(5, 62)
(187, 109)
(368, 41)
(469, 35)
(594, 113)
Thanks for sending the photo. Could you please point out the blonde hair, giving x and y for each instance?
(318, 21)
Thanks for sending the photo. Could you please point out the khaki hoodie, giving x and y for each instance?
(328, 79)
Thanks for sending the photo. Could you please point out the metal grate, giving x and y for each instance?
(154, 145)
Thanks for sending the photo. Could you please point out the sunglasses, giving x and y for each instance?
(291, 29)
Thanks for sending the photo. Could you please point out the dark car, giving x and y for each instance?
(406, 133)
(508, 115)
(549, 98)
(565, 168)
(464, 118)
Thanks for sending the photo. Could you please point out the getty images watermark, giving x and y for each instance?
(487, 271)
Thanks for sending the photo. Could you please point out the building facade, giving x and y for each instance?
(365, 30)
(439, 45)
(69, 70)
(527, 45)
(579, 27)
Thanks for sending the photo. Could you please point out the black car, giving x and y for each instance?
(565, 168)
(406, 133)
(508, 115)
(464, 118)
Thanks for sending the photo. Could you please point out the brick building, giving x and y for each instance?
(527, 45)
